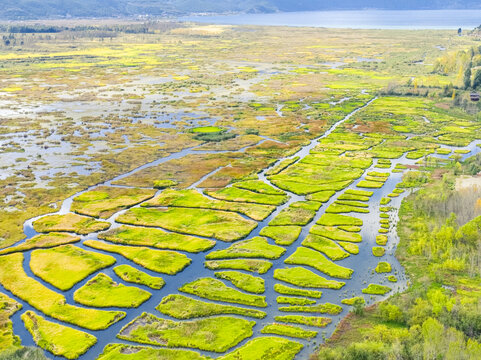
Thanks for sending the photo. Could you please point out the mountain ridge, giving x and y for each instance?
(50, 9)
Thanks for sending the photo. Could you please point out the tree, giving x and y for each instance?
(477, 80)
(467, 77)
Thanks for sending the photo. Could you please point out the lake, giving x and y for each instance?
(358, 19)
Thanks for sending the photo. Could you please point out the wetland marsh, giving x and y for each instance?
(215, 192)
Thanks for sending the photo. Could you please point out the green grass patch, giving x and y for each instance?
(135, 276)
(262, 348)
(308, 257)
(138, 236)
(349, 247)
(194, 199)
(337, 209)
(183, 307)
(257, 247)
(392, 278)
(129, 352)
(284, 164)
(78, 224)
(282, 235)
(385, 201)
(287, 290)
(326, 246)
(337, 220)
(288, 330)
(321, 196)
(357, 192)
(293, 216)
(300, 276)
(316, 321)
(294, 300)
(164, 184)
(216, 334)
(162, 261)
(353, 197)
(214, 289)
(326, 308)
(14, 279)
(242, 195)
(383, 267)
(221, 225)
(66, 265)
(350, 228)
(353, 301)
(104, 201)
(102, 291)
(334, 233)
(375, 289)
(252, 265)
(246, 282)
(308, 205)
(352, 203)
(381, 240)
(42, 241)
(58, 339)
(378, 251)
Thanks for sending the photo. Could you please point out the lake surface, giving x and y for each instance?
(358, 19)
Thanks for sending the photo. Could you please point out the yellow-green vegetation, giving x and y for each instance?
(308, 205)
(287, 290)
(64, 266)
(102, 291)
(58, 339)
(349, 247)
(252, 265)
(370, 184)
(300, 276)
(212, 334)
(294, 300)
(194, 199)
(273, 348)
(8, 340)
(316, 321)
(183, 307)
(162, 261)
(392, 278)
(129, 352)
(257, 247)
(376, 289)
(157, 238)
(383, 267)
(222, 225)
(321, 196)
(385, 201)
(104, 201)
(378, 251)
(207, 129)
(246, 282)
(164, 184)
(42, 241)
(353, 301)
(282, 235)
(381, 240)
(71, 223)
(293, 216)
(281, 166)
(288, 330)
(334, 233)
(346, 206)
(326, 308)
(14, 279)
(337, 220)
(214, 289)
(243, 195)
(258, 186)
(133, 275)
(326, 246)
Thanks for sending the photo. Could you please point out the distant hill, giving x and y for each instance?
(42, 9)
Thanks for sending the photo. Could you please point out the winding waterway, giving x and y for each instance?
(362, 264)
